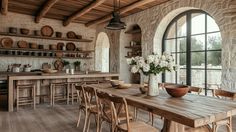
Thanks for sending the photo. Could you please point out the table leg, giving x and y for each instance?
(171, 126)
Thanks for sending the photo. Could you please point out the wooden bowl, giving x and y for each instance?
(13, 30)
(143, 89)
(124, 86)
(24, 31)
(177, 90)
(115, 83)
(53, 47)
(33, 45)
(49, 71)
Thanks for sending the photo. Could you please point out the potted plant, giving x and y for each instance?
(66, 65)
(77, 65)
(152, 66)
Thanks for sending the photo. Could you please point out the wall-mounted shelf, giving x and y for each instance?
(43, 50)
(134, 31)
(133, 47)
(50, 57)
(42, 37)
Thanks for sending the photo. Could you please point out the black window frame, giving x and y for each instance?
(188, 51)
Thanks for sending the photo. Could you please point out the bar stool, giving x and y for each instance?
(23, 100)
(72, 91)
(54, 96)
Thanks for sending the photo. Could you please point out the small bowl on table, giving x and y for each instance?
(177, 90)
(124, 86)
(143, 89)
(116, 83)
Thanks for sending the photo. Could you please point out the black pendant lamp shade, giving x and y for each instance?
(115, 23)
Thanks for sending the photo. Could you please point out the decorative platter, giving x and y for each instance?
(22, 44)
(70, 46)
(58, 64)
(6, 42)
(71, 35)
(47, 31)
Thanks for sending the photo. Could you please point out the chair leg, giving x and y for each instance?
(68, 94)
(34, 97)
(79, 118)
(88, 124)
(97, 122)
(86, 120)
(50, 95)
(17, 98)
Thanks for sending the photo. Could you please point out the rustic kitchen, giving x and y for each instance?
(136, 65)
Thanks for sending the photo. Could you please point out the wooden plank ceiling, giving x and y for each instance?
(89, 12)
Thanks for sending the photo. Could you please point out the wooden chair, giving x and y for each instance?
(196, 90)
(86, 97)
(119, 104)
(23, 100)
(228, 121)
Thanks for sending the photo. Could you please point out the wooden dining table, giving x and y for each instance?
(194, 111)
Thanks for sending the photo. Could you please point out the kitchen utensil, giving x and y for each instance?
(23, 44)
(49, 71)
(13, 30)
(24, 31)
(177, 90)
(47, 31)
(60, 46)
(6, 42)
(71, 35)
(58, 64)
(70, 46)
(58, 34)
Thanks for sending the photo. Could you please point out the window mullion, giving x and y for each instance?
(188, 49)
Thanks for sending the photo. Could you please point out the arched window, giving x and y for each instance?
(194, 39)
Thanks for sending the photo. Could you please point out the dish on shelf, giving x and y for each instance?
(13, 30)
(58, 34)
(47, 31)
(33, 45)
(37, 33)
(53, 47)
(71, 35)
(58, 64)
(59, 54)
(24, 31)
(60, 46)
(22, 44)
(70, 46)
(6, 42)
(79, 36)
(41, 46)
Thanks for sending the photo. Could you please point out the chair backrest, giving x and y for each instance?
(195, 90)
(104, 105)
(81, 95)
(90, 95)
(119, 105)
(225, 94)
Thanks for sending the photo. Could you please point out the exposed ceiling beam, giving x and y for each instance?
(44, 9)
(4, 7)
(122, 11)
(83, 11)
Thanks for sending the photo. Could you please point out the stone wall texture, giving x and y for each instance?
(25, 21)
(154, 21)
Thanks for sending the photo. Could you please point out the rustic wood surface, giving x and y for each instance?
(190, 110)
(56, 76)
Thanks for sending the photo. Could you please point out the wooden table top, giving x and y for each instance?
(191, 110)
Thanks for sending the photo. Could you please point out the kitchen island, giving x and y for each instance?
(38, 79)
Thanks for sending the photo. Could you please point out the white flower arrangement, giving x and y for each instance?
(153, 64)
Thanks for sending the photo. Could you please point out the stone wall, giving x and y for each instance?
(154, 21)
(25, 21)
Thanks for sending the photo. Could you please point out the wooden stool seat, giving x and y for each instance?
(59, 96)
(22, 100)
(137, 126)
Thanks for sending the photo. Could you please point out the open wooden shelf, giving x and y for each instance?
(133, 47)
(43, 50)
(43, 37)
(50, 57)
(134, 31)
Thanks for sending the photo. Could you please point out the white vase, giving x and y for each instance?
(153, 88)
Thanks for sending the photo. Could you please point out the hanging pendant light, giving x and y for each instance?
(115, 23)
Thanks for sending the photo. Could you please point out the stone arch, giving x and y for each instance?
(102, 52)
